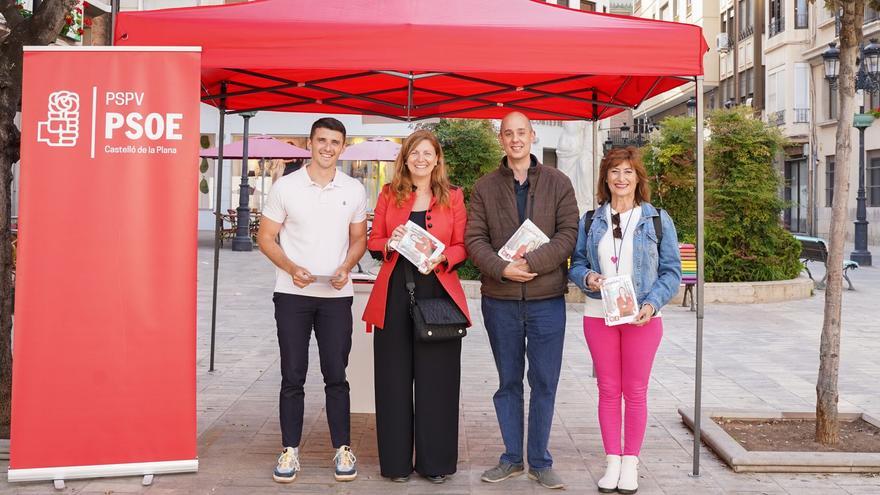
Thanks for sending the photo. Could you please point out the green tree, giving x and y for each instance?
(670, 161)
(744, 238)
(471, 149)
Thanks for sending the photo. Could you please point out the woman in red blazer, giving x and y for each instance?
(404, 366)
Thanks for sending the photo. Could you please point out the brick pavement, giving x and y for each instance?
(757, 356)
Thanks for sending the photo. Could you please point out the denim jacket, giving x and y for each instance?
(656, 267)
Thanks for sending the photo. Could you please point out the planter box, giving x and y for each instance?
(715, 292)
(742, 460)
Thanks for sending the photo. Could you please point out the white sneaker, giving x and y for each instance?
(629, 475)
(288, 465)
(608, 483)
(346, 464)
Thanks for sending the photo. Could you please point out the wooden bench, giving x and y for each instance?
(816, 249)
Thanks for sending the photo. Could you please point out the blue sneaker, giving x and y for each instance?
(288, 465)
(346, 464)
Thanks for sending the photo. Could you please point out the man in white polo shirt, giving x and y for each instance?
(319, 215)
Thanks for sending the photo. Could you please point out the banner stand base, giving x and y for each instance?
(61, 473)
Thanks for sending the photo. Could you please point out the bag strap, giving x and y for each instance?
(588, 221)
(410, 280)
(658, 224)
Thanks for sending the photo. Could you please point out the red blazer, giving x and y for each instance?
(445, 223)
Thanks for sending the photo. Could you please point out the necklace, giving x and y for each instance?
(617, 252)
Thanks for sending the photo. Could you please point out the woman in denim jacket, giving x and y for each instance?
(622, 240)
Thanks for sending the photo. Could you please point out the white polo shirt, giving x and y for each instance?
(314, 226)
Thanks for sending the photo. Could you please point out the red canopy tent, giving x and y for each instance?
(408, 59)
(415, 59)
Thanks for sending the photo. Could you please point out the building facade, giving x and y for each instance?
(804, 106)
(703, 13)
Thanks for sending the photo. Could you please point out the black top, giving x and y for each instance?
(522, 193)
(418, 218)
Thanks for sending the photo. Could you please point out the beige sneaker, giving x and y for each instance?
(288, 465)
(346, 464)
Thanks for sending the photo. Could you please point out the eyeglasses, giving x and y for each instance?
(615, 222)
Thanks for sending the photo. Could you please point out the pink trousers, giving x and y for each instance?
(623, 356)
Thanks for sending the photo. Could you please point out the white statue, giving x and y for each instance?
(574, 157)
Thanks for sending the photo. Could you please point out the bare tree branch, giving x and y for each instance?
(852, 13)
(40, 29)
(11, 13)
(46, 21)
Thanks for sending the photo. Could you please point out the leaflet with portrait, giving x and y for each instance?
(418, 246)
(526, 239)
(619, 300)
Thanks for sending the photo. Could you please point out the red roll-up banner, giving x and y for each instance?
(104, 348)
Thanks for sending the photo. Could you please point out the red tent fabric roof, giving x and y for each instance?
(259, 147)
(467, 58)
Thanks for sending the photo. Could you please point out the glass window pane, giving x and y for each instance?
(829, 180)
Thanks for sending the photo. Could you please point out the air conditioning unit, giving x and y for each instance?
(722, 43)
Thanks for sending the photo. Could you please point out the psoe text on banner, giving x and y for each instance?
(154, 125)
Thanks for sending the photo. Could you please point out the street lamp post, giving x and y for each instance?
(691, 105)
(242, 240)
(867, 79)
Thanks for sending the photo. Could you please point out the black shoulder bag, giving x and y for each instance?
(436, 319)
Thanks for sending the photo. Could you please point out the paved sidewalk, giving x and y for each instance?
(756, 356)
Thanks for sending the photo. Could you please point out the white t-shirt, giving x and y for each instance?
(314, 226)
(624, 251)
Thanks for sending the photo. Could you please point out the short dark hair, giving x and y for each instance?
(327, 123)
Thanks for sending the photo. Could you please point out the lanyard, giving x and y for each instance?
(617, 252)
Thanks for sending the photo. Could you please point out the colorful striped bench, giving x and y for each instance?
(688, 272)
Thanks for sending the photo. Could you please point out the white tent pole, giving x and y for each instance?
(262, 183)
(698, 379)
(595, 125)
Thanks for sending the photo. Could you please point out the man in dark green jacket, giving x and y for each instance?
(523, 301)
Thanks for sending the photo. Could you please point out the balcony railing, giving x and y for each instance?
(615, 140)
(801, 115)
(776, 118)
(776, 26)
(746, 32)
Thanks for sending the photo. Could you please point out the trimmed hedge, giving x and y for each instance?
(745, 240)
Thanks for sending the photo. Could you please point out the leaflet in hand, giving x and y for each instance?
(526, 239)
(619, 300)
(418, 246)
(322, 279)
